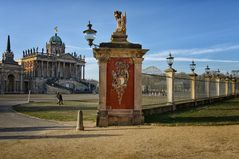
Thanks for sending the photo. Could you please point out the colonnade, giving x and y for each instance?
(59, 69)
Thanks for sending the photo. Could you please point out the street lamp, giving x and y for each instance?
(227, 75)
(90, 35)
(207, 69)
(218, 72)
(170, 60)
(193, 66)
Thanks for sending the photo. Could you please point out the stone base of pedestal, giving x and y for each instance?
(102, 118)
(119, 118)
(118, 37)
(138, 118)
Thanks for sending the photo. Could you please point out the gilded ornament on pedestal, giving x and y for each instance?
(120, 78)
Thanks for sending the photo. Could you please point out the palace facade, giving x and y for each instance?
(38, 71)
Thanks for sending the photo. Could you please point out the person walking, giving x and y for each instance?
(60, 99)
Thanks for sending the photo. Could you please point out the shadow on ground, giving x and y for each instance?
(70, 136)
(51, 108)
(41, 128)
(164, 119)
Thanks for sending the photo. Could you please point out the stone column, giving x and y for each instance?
(207, 85)
(138, 82)
(83, 72)
(52, 69)
(102, 119)
(237, 86)
(233, 86)
(58, 69)
(76, 69)
(42, 69)
(218, 86)
(70, 71)
(80, 72)
(226, 86)
(64, 70)
(193, 77)
(33, 69)
(21, 82)
(138, 90)
(47, 74)
(170, 72)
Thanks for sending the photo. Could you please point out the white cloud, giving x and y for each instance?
(195, 51)
(185, 59)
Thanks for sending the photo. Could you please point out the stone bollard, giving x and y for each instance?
(80, 125)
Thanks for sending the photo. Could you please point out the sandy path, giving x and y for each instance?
(127, 142)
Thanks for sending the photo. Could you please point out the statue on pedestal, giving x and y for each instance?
(121, 22)
(120, 33)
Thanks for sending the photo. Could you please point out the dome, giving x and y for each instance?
(55, 40)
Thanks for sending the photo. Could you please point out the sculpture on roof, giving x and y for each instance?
(121, 22)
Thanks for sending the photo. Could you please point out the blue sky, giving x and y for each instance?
(206, 31)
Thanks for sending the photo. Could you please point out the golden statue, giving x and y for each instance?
(121, 22)
(56, 29)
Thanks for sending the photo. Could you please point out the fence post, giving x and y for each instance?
(237, 86)
(218, 85)
(193, 77)
(233, 86)
(170, 72)
(207, 84)
(227, 86)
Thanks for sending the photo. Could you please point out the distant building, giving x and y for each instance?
(11, 73)
(40, 70)
(235, 72)
(55, 63)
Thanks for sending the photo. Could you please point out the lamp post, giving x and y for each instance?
(227, 84)
(227, 75)
(193, 77)
(218, 82)
(193, 66)
(207, 81)
(170, 60)
(170, 73)
(90, 35)
(218, 72)
(207, 70)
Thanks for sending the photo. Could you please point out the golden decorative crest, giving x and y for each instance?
(120, 78)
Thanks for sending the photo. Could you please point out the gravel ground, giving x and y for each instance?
(214, 142)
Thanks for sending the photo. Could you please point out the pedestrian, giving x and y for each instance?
(60, 99)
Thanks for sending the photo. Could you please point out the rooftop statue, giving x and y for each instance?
(121, 22)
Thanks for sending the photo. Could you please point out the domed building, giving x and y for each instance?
(55, 45)
(52, 68)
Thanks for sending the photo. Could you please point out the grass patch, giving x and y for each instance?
(226, 112)
(67, 112)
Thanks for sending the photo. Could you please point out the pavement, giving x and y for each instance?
(13, 124)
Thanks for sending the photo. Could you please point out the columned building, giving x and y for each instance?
(53, 64)
(11, 73)
(43, 71)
